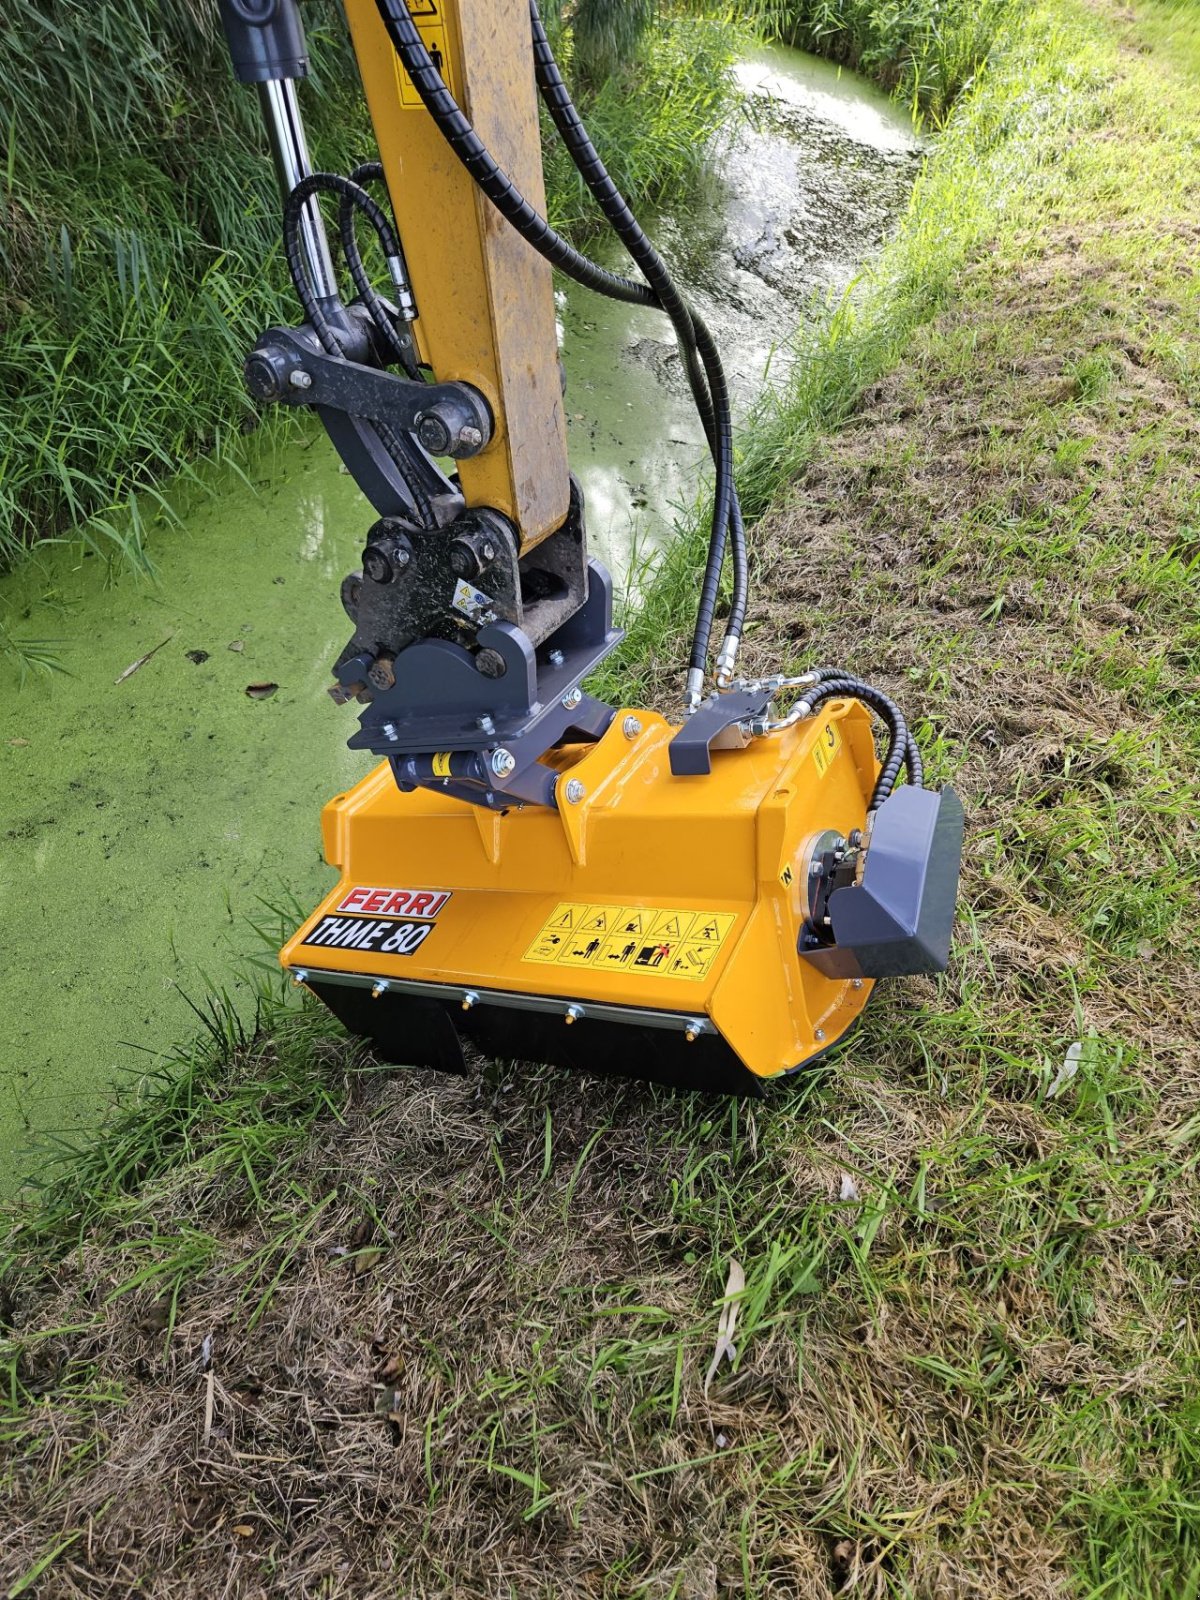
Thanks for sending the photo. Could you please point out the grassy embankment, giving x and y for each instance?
(139, 237)
(301, 1325)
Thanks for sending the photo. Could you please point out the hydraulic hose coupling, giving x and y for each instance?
(694, 691)
(727, 660)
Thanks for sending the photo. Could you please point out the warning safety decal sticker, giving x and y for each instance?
(432, 28)
(607, 938)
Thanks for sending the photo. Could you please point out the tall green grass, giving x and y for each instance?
(138, 238)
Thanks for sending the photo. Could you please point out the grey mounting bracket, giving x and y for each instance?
(690, 750)
(442, 702)
(897, 919)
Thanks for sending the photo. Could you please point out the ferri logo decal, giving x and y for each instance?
(375, 921)
(395, 902)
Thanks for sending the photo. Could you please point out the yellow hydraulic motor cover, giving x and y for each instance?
(651, 926)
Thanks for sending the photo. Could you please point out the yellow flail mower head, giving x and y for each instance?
(530, 872)
(711, 918)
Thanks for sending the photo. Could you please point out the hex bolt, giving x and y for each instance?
(299, 379)
(575, 791)
(433, 434)
(856, 983)
(379, 988)
(693, 1031)
(485, 724)
(470, 999)
(299, 976)
(814, 869)
(390, 731)
(556, 658)
(818, 1033)
(503, 763)
(572, 1014)
(470, 438)
(631, 727)
(571, 699)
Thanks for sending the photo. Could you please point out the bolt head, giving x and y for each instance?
(470, 438)
(299, 379)
(556, 658)
(433, 434)
(818, 1033)
(503, 763)
(389, 731)
(572, 699)
(485, 724)
(631, 727)
(575, 791)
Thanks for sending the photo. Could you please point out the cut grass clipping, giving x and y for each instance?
(300, 1325)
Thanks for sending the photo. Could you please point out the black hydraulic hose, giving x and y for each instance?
(348, 205)
(688, 326)
(534, 228)
(333, 183)
(902, 749)
(486, 171)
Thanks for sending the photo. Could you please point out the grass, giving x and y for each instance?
(298, 1324)
(139, 238)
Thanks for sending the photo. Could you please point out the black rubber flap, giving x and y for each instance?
(415, 1032)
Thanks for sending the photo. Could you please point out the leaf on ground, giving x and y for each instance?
(142, 660)
(261, 691)
(237, 645)
(848, 1189)
(726, 1349)
(1067, 1071)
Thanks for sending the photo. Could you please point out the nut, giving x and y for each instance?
(574, 791)
(503, 763)
(631, 727)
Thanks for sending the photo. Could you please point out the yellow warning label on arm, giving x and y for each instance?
(441, 764)
(657, 939)
(431, 25)
(829, 742)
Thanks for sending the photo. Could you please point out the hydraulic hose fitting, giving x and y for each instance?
(727, 660)
(694, 690)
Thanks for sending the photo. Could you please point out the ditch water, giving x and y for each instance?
(151, 819)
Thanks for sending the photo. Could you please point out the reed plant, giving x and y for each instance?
(927, 51)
